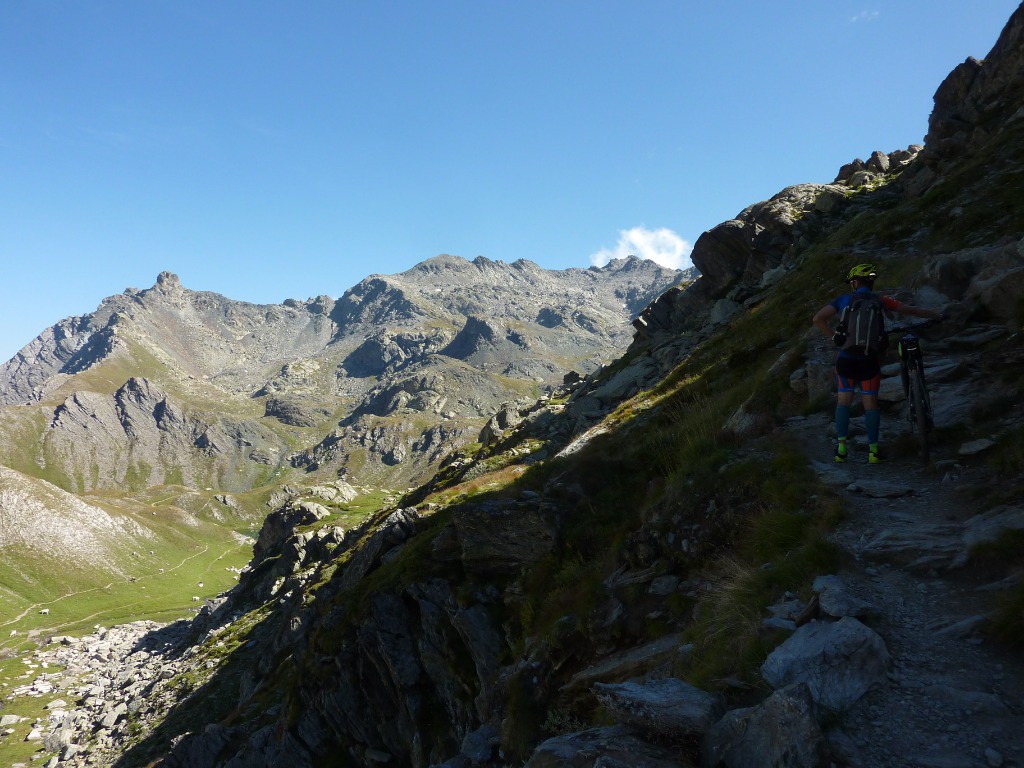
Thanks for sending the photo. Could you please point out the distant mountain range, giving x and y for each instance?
(170, 385)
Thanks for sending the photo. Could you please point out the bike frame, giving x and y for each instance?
(915, 388)
(911, 360)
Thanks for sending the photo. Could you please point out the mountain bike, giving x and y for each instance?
(919, 413)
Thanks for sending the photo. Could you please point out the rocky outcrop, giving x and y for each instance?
(37, 368)
(388, 353)
(505, 419)
(739, 259)
(978, 97)
(497, 538)
(296, 412)
(987, 280)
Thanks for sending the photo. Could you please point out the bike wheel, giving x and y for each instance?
(919, 403)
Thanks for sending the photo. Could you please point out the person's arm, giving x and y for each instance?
(909, 309)
(821, 318)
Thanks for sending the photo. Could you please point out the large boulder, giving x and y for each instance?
(839, 662)
(836, 599)
(987, 277)
(780, 732)
(721, 255)
(505, 419)
(281, 524)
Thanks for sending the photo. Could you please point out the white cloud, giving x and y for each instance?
(662, 246)
(865, 16)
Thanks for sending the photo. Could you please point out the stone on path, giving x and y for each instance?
(976, 701)
(837, 601)
(974, 447)
(880, 489)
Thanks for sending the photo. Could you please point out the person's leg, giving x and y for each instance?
(844, 389)
(872, 416)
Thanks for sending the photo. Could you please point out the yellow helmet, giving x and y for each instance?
(865, 271)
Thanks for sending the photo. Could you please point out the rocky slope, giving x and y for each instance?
(76, 531)
(650, 568)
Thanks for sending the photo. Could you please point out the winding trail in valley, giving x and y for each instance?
(50, 629)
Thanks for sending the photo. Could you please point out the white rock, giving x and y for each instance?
(974, 447)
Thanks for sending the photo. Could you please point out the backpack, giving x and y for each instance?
(863, 322)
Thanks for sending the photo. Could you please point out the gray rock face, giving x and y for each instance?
(941, 545)
(281, 524)
(495, 428)
(496, 539)
(837, 601)
(140, 436)
(839, 662)
(987, 277)
(781, 731)
(295, 412)
(978, 95)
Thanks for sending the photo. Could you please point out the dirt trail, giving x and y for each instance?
(955, 699)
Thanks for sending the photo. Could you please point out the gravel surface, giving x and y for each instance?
(955, 698)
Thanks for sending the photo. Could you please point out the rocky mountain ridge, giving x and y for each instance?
(169, 385)
(240, 347)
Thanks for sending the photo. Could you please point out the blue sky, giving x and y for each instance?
(273, 150)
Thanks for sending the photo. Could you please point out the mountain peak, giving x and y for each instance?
(167, 281)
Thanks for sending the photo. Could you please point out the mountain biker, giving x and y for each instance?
(855, 369)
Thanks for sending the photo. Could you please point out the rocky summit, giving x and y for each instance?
(655, 564)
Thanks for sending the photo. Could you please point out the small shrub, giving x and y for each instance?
(560, 722)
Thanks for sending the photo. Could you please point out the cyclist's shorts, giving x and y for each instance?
(853, 374)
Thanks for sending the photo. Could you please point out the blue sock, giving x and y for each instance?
(872, 422)
(842, 420)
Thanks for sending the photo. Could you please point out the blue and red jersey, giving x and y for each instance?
(842, 302)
